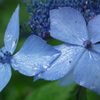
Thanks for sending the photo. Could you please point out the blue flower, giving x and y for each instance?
(80, 55)
(34, 57)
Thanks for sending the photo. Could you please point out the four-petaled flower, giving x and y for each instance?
(80, 55)
(34, 57)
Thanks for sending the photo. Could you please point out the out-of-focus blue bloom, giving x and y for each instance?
(34, 57)
(80, 58)
(39, 22)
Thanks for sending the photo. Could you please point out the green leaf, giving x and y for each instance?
(52, 91)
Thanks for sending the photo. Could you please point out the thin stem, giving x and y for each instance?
(81, 94)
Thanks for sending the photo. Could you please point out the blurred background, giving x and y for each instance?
(22, 87)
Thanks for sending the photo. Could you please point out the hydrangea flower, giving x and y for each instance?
(34, 56)
(80, 55)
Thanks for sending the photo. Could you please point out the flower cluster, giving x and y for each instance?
(75, 22)
(39, 22)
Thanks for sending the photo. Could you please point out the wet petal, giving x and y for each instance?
(94, 29)
(34, 57)
(12, 32)
(68, 25)
(87, 71)
(64, 64)
(5, 75)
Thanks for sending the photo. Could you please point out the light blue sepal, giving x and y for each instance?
(12, 32)
(34, 57)
(5, 75)
(64, 64)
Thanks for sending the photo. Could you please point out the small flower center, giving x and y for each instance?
(87, 44)
(5, 57)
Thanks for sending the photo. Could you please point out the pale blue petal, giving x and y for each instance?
(34, 57)
(67, 79)
(12, 32)
(5, 75)
(64, 64)
(94, 29)
(87, 71)
(68, 25)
